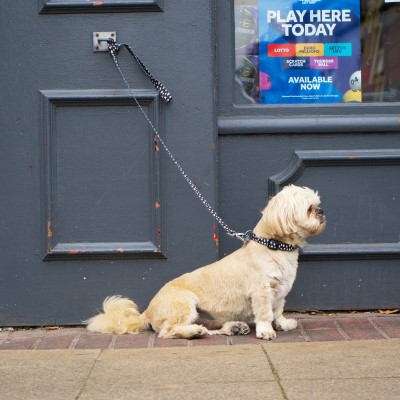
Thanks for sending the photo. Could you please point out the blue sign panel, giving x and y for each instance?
(309, 51)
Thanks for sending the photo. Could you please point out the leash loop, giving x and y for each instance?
(114, 48)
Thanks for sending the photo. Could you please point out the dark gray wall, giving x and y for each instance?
(350, 153)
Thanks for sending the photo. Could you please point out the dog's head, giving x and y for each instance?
(292, 215)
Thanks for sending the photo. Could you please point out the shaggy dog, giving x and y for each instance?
(249, 285)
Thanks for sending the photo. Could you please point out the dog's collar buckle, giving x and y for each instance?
(272, 244)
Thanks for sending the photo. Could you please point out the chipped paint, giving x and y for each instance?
(49, 231)
(157, 205)
(73, 251)
(215, 235)
(120, 250)
(98, 3)
(216, 238)
(159, 234)
(156, 148)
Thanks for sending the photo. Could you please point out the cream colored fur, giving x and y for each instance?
(249, 285)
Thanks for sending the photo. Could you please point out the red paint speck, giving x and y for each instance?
(49, 232)
(156, 148)
(215, 238)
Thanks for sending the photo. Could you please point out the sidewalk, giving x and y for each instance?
(323, 359)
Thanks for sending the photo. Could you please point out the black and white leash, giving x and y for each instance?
(114, 48)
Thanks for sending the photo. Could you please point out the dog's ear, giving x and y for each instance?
(286, 215)
(280, 216)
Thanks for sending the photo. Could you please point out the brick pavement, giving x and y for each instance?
(337, 327)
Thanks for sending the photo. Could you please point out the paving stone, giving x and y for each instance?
(4, 334)
(245, 339)
(182, 366)
(290, 336)
(19, 344)
(26, 334)
(42, 375)
(60, 339)
(336, 360)
(178, 391)
(318, 324)
(22, 340)
(160, 342)
(321, 330)
(389, 325)
(343, 389)
(94, 341)
(130, 341)
(359, 329)
(213, 340)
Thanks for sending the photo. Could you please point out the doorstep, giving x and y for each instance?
(311, 328)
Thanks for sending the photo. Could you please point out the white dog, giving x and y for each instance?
(249, 285)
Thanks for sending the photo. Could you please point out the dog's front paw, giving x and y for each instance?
(235, 328)
(265, 331)
(240, 328)
(286, 324)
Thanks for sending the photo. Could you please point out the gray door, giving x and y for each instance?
(90, 204)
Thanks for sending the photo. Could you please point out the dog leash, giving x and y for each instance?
(114, 48)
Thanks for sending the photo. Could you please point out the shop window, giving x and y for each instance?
(317, 51)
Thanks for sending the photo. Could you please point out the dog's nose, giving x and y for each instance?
(321, 214)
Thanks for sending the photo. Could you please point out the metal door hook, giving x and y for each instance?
(101, 39)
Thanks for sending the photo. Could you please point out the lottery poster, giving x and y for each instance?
(309, 51)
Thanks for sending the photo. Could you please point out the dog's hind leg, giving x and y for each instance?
(181, 331)
(172, 313)
(193, 331)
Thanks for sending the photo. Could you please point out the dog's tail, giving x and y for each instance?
(120, 315)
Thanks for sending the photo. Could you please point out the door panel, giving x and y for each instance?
(90, 206)
(103, 184)
(354, 263)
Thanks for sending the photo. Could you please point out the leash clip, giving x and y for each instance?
(243, 237)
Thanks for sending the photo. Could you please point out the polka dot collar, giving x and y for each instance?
(272, 244)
